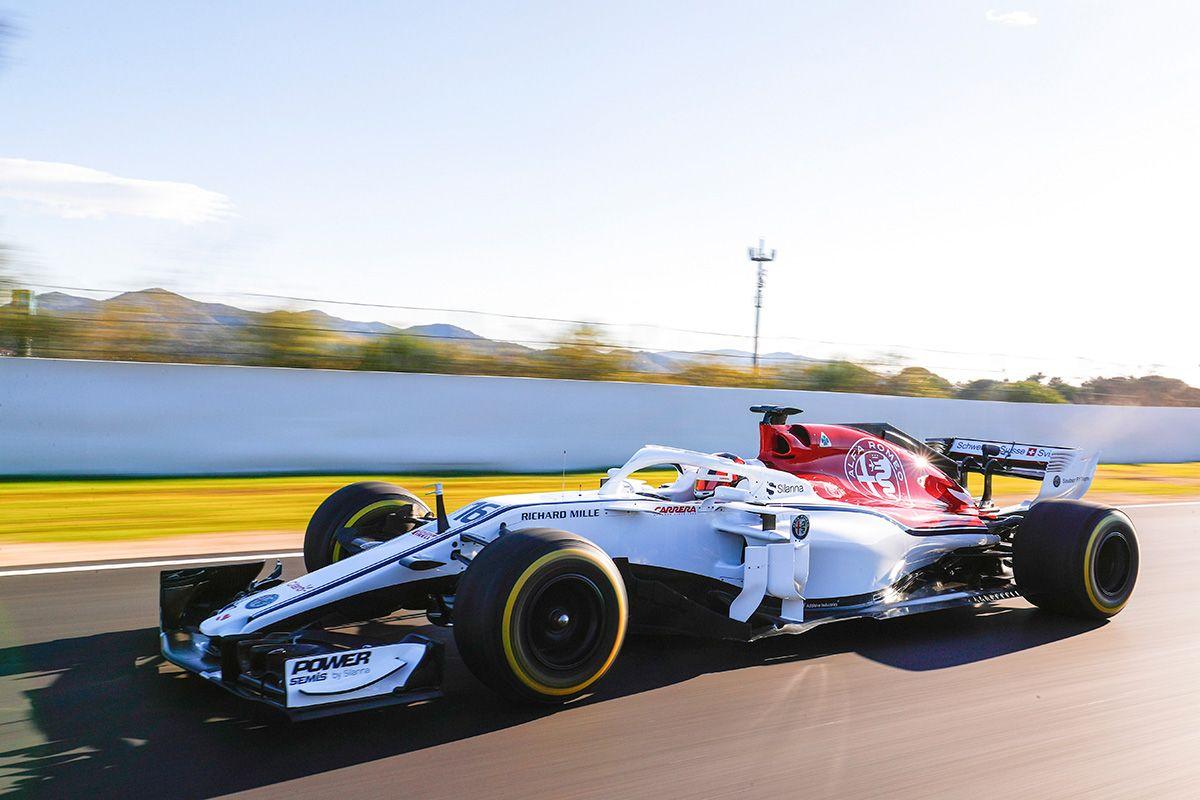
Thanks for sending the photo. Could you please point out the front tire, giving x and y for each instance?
(1076, 558)
(370, 508)
(540, 615)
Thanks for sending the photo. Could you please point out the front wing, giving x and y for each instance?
(306, 672)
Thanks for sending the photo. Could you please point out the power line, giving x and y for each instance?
(131, 318)
(433, 309)
(322, 360)
(161, 348)
(644, 325)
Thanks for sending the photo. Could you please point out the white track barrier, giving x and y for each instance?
(60, 417)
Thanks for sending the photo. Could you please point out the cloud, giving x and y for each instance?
(83, 193)
(1013, 19)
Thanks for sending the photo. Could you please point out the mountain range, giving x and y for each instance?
(211, 327)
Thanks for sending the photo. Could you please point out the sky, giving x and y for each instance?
(984, 189)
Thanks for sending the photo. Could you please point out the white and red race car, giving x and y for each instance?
(827, 523)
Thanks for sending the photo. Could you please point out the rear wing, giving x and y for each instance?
(1065, 472)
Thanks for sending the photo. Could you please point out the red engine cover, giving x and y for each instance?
(853, 466)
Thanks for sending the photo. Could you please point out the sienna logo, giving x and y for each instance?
(875, 469)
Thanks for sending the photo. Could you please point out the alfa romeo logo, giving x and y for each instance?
(876, 470)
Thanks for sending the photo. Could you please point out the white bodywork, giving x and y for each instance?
(1068, 472)
(741, 536)
(316, 680)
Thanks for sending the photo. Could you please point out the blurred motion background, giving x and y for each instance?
(253, 252)
(162, 326)
(968, 203)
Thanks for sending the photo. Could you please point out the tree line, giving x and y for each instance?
(153, 332)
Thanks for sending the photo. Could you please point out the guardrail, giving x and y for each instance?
(60, 417)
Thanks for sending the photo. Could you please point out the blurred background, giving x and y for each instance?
(158, 325)
(252, 252)
(958, 202)
(967, 202)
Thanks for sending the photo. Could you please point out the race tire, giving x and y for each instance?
(364, 505)
(540, 615)
(1076, 558)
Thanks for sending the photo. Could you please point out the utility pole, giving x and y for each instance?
(24, 304)
(760, 257)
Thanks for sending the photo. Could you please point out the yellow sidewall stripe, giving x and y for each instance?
(506, 626)
(1087, 573)
(362, 512)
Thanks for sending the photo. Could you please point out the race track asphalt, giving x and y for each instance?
(1009, 702)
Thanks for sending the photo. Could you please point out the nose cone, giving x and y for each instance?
(226, 622)
(233, 618)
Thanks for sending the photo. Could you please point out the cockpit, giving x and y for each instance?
(691, 482)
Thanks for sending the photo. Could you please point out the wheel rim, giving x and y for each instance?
(564, 622)
(1114, 560)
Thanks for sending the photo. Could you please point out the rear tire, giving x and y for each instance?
(365, 506)
(1076, 558)
(540, 615)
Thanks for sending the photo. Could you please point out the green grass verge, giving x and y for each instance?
(145, 508)
(1151, 481)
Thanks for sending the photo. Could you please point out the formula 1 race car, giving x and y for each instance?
(829, 522)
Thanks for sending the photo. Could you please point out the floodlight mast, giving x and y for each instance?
(761, 257)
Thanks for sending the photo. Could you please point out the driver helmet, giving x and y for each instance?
(708, 484)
